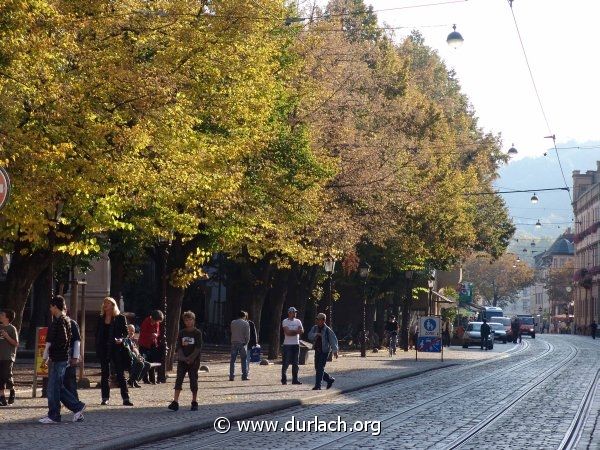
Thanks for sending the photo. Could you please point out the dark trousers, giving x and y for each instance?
(152, 355)
(105, 375)
(593, 334)
(70, 380)
(291, 354)
(484, 342)
(6, 376)
(320, 361)
(139, 369)
(517, 335)
(192, 372)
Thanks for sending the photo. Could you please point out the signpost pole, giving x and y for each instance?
(35, 365)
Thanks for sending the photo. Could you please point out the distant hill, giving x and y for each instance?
(553, 209)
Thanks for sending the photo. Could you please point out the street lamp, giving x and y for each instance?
(534, 199)
(512, 151)
(329, 266)
(164, 245)
(405, 309)
(363, 271)
(538, 224)
(454, 39)
(430, 282)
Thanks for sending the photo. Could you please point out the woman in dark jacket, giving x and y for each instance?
(110, 333)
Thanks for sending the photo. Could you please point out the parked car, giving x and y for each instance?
(472, 335)
(499, 332)
(527, 326)
(506, 321)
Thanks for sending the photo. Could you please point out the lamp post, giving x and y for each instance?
(430, 282)
(405, 309)
(363, 271)
(329, 266)
(164, 252)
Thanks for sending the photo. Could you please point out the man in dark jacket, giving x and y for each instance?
(58, 341)
(485, 334)
(325, 341)
(515, 327)
(593, 329)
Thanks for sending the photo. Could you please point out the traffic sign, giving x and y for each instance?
(430, 334)
(4, 187)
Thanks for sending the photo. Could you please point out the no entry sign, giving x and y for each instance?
(4, 187)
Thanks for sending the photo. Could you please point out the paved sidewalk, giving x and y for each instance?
(116, 426)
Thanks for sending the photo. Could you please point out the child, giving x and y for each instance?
(138, 367)
(9, 342)
(189, 344)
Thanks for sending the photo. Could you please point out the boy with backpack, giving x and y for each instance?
(189, 345)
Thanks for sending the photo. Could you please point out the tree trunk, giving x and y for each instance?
(274, 313)
(117, 273)
(174, 301)
(24, 269)
(39, 307)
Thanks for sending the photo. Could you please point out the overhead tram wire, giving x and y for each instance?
(537, 93)
(516, 191)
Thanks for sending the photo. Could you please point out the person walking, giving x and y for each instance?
(324, 342)
(515, 327)
(253, 342)
(9, 341)
(70, 379)
(292, 330)
(447, 332)
(593, 329)
(110, 335)
(485, 331)
(391, 331)
(189, 346)
(58, 340)
(148, 342)
(240, 336)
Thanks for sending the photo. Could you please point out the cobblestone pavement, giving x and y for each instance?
(116, 426)
(531, 399)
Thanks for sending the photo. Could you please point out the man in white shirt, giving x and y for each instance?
(292, 330)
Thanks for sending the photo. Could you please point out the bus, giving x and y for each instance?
(489, 312)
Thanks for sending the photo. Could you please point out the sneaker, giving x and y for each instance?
(296, 382)
(104, 402)
(11, 397)
(194, 406)
(127, 403)
(47, 420)
(330, 382)
(245, 378)
(78, 416)
(3, 401)
(130, 383)
(136, 384)
(316, 388)
(283, 382)
(231, 378)
(173, 406)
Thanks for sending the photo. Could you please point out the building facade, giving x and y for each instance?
(586, 209)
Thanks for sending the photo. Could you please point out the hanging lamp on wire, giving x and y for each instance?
(454, 39)
(538, 224)
(534, 198)
(512, 151)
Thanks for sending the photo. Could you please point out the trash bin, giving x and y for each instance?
(304, 348)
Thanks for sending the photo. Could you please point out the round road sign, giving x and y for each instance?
(4, 187)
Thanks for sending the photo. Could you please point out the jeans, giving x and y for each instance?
(291, 354)
(191, 370)
(70, 380)
(57, 392)
(152, 355)
(105, 374)
(241, 349)
(320, 361)
(248, 349)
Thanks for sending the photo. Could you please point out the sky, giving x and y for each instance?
(561, 41)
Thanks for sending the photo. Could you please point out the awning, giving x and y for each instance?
(442, 299)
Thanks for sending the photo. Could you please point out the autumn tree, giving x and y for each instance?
(497, 281)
